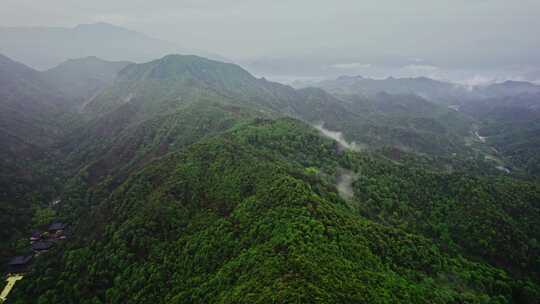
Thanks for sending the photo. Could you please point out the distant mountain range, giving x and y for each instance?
(434, 90)
(45, 47)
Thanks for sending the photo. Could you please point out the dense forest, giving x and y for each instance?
(186, 180)
(253, 215)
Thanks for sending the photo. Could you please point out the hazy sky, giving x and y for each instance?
(345, 34)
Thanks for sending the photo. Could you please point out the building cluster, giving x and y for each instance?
(40, 242)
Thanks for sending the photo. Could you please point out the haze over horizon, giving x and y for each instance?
(465, 41)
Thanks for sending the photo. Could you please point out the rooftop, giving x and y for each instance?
(42, 245)
(20, 260)
(57, 226)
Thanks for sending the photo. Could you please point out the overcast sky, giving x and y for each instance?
(345, 34)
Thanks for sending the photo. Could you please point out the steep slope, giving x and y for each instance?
(174, 79)
(166, 104)
(489, 218)
(243, 217)
(80, 79)
(28, 103)
(114, 145)
(163, 86)
(511, 125)
(31, 120)
(406, 122)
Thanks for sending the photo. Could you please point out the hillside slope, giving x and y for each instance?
(241, 218)
(165, 86)
(188, 180)
(511, 125)
(31, 121)
(79, 79)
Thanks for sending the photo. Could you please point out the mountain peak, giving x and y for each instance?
(9, 65)
(182, 67)
(84, 59)
(182, 58)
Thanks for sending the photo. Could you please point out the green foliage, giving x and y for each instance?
(43, 216)
(183, 186)
(493, 218)
(236, 219)
(512, 126)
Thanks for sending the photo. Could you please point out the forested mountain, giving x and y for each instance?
(410, 123)
(30, 122)
(489, 217)
(189, 180)
(510, 88)
(430, 89)
(79, 79)
(158, 107)
(28, 103)
(252, 215)
(427, 88)
(175, 80)
(497, 122)
(512, 126)
(164, 93)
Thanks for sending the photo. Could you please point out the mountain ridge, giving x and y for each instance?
(431, 89)
(45, 47)
(80, 78)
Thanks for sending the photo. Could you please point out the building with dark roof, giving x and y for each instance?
(35, 236)
(19, 264)
(56, 226)
(42, 246)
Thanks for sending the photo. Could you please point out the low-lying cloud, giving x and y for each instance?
(338, 136)
(344, 184)
(421, 67)
(351, 66)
